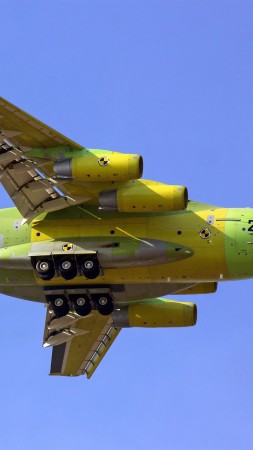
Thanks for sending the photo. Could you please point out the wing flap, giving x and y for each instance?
(29, 181)
(23, 179)
(83, 342)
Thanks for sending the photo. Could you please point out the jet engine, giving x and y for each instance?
(100, 166)
(158, 313)
(145, 196)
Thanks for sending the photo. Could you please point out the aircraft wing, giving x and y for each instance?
(27, 180)
(29, 131)
(79, 343)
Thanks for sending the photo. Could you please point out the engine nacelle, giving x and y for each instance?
(159, 313)
(145, 196)
(100, 166)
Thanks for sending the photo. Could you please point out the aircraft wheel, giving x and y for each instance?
(90, 267)
(59, 305)
(81, 304)
(103, 303)
(45, 269)
(67, 268)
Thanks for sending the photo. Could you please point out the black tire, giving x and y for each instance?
(59, 305)
(82, 304)
(104, 303)
(45, 269)
(67, 268)
(45, 277)
(90, 267)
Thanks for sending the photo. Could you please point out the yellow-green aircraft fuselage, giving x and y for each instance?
(100, 245)
(199, 246)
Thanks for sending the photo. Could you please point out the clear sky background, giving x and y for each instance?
(172, 80)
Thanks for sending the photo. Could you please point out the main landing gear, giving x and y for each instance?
(103, 303)
(45, 269)
(68, 267)
(81, 303)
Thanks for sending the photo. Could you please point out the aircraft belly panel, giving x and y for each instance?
(31, 292)
(206, 236)
(124, 294)
(239, 243)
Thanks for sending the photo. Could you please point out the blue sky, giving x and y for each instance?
(171, 80)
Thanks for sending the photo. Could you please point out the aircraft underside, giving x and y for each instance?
(100, 245)
(121, 293)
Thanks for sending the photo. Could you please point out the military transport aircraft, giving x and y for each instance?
(99, 245)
